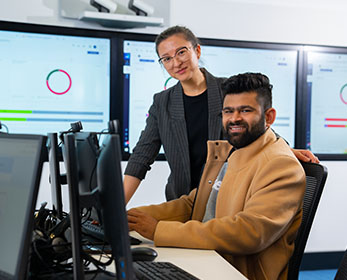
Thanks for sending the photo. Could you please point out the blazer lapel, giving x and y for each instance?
(179, 129)
(214, 96)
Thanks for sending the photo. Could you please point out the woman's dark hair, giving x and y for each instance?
(174, 30)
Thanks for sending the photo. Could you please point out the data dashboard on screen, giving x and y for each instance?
(326, 89)
(144, 76)
(50, 80)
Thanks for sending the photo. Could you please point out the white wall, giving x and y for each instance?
(290, 21)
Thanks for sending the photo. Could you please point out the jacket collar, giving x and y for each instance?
(244, 155)
(219, 150)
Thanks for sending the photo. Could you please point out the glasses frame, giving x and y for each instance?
(168, 63)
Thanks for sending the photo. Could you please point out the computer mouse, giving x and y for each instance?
(143, 254)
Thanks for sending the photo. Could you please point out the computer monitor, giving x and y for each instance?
(55, 176)
(325, 88)
(71, 166)
(112, 203)
(21, 159)
(222, 58)
(110, 199)
(53, 76)
(87, 151)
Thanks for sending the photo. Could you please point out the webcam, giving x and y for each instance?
(104, 6)
(140, 7)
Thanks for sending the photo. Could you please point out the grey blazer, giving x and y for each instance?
(166, 126)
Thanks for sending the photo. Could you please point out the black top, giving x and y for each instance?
(196, 115)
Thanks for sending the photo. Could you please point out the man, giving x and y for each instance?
(252, 212)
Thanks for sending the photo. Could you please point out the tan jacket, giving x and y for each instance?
(258, 209)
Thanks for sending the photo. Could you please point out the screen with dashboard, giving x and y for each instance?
(51, 77)
(143, 76)
(326, 101)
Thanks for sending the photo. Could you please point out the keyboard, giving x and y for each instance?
(145, 270)
(97, 232)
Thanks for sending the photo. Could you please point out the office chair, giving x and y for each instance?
(341, 273)
(316, 175)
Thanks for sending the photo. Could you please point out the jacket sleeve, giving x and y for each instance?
(148, 146)
(175, 210)
(268, 214)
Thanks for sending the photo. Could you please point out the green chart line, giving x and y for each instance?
(17, 111)
(13, 119)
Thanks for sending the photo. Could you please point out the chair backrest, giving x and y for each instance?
(341, 273)
(316, 175)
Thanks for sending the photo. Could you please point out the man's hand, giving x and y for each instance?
(142, 223)
(305, 155)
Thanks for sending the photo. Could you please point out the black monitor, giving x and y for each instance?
(52, 76)
(87, 148)
(87, 152)
(70, 160)
(112, 203)
(223, 58)
(21, 159)
(325, 88)
(109, 198)
(55, 176)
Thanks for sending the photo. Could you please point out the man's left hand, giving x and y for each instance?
(305, 155)
(142, 223)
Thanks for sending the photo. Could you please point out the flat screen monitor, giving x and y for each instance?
(326, 104)
(71, 166)
(55, 176)
(112, 201)
(21, 159)
(143, 77)
(53, 76)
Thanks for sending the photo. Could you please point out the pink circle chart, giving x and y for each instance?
(343, 91)
(56, 92)
(166, 82)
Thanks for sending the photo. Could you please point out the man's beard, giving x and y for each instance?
(242, 139)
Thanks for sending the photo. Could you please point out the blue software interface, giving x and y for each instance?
(145, 77)
(326, 131)
(49, 81)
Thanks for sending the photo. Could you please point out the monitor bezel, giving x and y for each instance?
(302, 140)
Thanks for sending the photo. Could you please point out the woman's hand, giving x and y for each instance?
(305, 155)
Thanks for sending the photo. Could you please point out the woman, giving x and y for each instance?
(181, 118)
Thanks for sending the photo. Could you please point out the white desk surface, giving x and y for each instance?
(204, 264)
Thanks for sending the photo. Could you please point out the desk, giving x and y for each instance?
(204, 264)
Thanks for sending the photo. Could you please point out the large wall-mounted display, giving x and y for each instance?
(143, 76)
(51, 77)
(325, 90)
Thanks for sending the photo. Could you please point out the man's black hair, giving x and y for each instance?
(248, 82)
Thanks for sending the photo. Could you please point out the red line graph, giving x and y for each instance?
(335, 125)
(336, 119)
